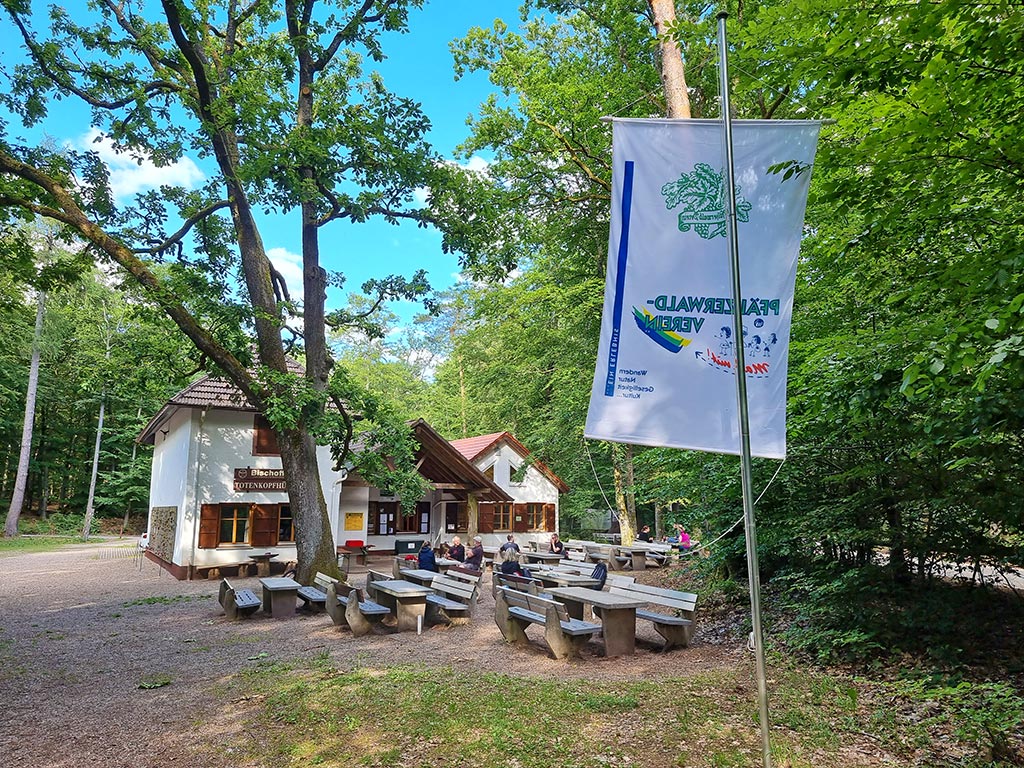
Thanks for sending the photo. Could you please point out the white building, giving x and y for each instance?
(217, 493)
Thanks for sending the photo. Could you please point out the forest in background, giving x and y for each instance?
(906, 385)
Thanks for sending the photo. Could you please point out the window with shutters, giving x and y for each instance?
(535, 517)
(503, 517)
(234, 523)
(264, 441)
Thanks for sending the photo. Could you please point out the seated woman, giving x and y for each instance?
(426, 559)
(510, 564)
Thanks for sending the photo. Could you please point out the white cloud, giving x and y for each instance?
(477, 164)
(290, 266)
(131, 173)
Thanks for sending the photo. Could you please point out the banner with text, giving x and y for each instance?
(667, 359)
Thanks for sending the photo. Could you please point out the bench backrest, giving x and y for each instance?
(620, 581)
(372, 576)
(462, 591)
(323, 581)
(669, 598)
(535, 603)
(225, 586)
(464, 574)
(518, 583)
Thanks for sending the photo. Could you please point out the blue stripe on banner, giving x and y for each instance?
(620, 279)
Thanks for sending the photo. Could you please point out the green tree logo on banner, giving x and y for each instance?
(702, 195)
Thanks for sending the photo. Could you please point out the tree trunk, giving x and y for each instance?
(314, 543)
(625, 504)
(673, 71)
(659, 520)
(21, 479)
(87, 523)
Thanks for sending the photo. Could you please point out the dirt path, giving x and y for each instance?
(80, 629)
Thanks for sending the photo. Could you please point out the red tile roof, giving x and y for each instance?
(472, 447)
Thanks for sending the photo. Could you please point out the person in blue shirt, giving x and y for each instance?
(427, 561)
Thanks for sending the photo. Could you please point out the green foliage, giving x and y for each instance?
(986, 716)
(59, 523)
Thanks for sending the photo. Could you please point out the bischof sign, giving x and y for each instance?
(258, 479)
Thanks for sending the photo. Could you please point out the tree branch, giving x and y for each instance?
(189, 223)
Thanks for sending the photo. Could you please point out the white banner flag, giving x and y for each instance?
(666, 362)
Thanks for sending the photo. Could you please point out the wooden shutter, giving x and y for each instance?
(264, 441)
(519, 522)
(209, 526)
(549, 517)
(263, 525)
(485, 516)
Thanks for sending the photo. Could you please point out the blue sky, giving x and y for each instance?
(419, 67)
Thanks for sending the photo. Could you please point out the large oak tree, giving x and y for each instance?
(272, 96)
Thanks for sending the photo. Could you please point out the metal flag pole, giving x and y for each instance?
(741, 394)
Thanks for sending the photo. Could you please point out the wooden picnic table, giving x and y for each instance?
(279, 596)
(542, 557)
(405, 599)
(618, 616)
(563, 578)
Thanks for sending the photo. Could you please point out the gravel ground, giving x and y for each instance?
(80, 629)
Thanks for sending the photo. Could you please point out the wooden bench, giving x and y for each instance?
(514, 611)
(314, 597)
(676, 629)
(346, 607)
(237, 602)
(585, 569)
(453, 599)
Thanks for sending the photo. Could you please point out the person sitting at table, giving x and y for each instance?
(427, 560)
(511, 566)
(456, 551)
(509, 544)
(475, 559)
(645, 533)
(557, 546)
(683, 537)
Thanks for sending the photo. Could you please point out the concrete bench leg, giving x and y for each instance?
(563, 646)
(511, 629)
(358, 623)
(334, 609)
(675, 635)
(228, 603)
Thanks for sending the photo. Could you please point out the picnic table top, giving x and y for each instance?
(401, 588)
(552, 556)
(279, 582)
(565, 579)
(418, 575)
(605, 600)
(448, 562)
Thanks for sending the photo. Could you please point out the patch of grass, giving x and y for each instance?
(148, 682)
(314, 713)
(167, 600)
(18, 545)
